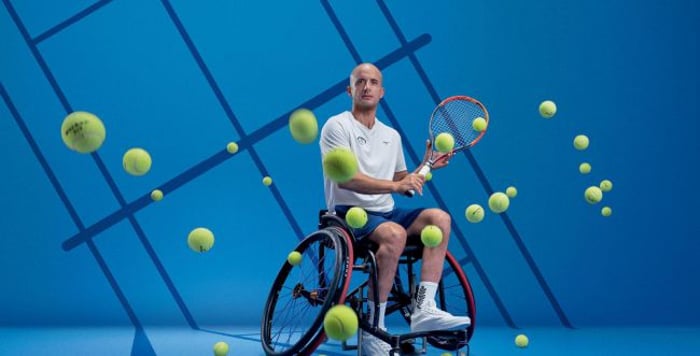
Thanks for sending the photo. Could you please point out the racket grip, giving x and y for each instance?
(423, 171)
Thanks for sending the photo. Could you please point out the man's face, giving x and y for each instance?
(366, 87)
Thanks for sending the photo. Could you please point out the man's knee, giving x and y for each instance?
(392, 237)
(439, 217)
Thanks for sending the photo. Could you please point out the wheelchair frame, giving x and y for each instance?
(334, 234)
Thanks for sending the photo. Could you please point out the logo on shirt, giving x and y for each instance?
(361, 140)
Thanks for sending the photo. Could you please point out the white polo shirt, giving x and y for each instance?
(379, 155)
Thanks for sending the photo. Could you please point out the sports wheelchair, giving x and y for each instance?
(292, 322)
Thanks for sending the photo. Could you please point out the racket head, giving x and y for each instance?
(455, 116)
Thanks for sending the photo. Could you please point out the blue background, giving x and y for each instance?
(182, 80)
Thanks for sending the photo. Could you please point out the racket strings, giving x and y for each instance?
(455, 117)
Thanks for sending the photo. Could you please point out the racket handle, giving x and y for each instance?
(423, 171)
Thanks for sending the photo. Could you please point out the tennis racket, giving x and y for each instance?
(454, 115)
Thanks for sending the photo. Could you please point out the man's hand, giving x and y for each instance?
(442, 160)
(411, 181)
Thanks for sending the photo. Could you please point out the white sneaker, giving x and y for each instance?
(429, 317)
(373, 346)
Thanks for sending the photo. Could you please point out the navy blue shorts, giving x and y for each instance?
(403, 217)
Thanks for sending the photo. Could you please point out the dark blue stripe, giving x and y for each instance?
(115, 286)
(479, 172)
(229, 113)
(40, 157)
(244, 144)
(161, 270)
(73, 19)
(101, 166)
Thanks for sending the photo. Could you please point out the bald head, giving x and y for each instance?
(365, 68)
(365, 87)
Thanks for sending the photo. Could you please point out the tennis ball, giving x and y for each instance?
(606, 211)
(232, 147)
(429, 177)
(606, 185)
(479, 124)
(356, 217)
(157, 195)
(581, 142)
(340, 165)
(340, 322)
(547, 109)
(220, 349)
(474, 213)
(593, 194)
(521, 341)
(137, 161)
(444, 142)
(267, 181)
(498, 202)
(511, 192)
(303, 126)
(83, 132)
(200, 239)
(431, 235)
(294, 258)
(584, 168)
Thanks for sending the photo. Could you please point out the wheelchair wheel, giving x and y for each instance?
(454, 295)
(301, 295)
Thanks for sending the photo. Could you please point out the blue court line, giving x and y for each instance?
(75, 18)
(103, 169)
(71, 210)
(385, 106)
(482, 178)
(229, 113)
(244, 143)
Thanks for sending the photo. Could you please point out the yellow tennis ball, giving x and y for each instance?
(606, 211)
(200, 239)
(479, 124)
(584, 168)
(294, 258)
(581, 142)
(474, 213)
(157, 194)
(303, 126)
(267, 181)
(547, 109)
(232, 147)
(340, 165)
(356, 217)
(429, 177)
(593, 194)
(444, 142)
(498, 202)
(606, 185)
(521, 341)
(137, 161)
(511, 192)
(220, 349)
(431, 235)
(83, 132)
(340, 322)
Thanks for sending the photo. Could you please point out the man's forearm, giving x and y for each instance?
(364, 184)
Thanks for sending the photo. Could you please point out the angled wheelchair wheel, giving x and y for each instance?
(454, 295)
(301, 295)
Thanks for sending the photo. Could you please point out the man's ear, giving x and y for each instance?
(349, 90)
(381, 95)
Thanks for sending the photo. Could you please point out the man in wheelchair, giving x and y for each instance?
(382, 172)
